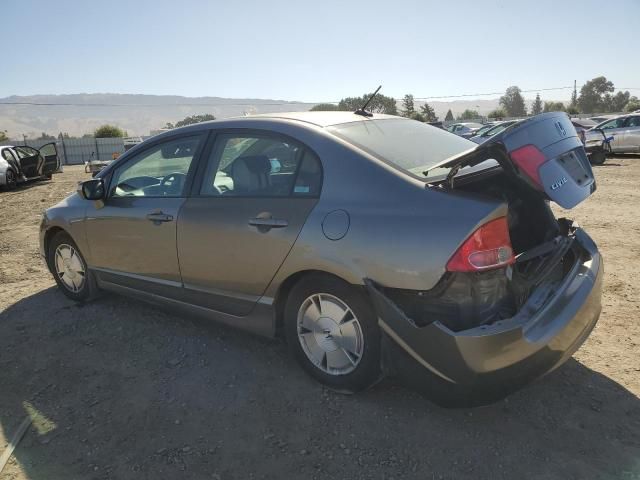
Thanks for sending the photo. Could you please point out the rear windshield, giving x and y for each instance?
(409, 145)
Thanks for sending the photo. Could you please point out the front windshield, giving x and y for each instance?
(406, 144)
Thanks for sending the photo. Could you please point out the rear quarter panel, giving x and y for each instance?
(400, 234)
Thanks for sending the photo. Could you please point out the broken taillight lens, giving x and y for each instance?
(486, 248)
(528, 159)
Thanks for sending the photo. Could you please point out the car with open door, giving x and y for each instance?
(22, 163)
(374, 245)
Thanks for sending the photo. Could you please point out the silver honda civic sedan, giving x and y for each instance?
(375, 245)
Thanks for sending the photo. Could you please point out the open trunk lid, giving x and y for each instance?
(544, 152)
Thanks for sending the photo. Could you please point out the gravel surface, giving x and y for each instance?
(119, 389)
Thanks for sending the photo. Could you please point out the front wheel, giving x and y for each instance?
(70, 270)
(332, 332)
(11, 180)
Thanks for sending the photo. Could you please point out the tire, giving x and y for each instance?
(597, 158)
(11, 180)
(332, 332)
(66, 263)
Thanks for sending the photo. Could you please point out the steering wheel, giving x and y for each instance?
(173, 182)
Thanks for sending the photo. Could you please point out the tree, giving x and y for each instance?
(109, 131)
(591, 99)
(169, 125)
(3, 136)
(498, 113)
(194, 119)
(449, 116)
(513, 102)
(408, 108)
(428, 113)
(536, 108)
(617, 102)
(468, 115)
(379, 104)
(571, 110)
(324, 107)
(553, 107)
(574, 99)
(632, 105)
(45, 136)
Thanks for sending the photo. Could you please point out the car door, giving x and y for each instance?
(631, 136)
(614, 128)
(132, 233)
(51, 163)
(254, 195)
(30, 161)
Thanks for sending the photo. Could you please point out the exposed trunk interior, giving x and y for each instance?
(543, 248)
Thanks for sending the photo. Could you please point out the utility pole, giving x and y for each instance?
(24, 139)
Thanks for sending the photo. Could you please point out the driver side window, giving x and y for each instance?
(159, 171)
(615, 123)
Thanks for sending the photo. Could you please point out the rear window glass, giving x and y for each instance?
(407, 144)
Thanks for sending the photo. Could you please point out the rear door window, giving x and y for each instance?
(260, 166)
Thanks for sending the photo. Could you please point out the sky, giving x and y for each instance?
(316, 51)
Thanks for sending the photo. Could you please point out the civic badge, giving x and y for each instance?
(558, 183)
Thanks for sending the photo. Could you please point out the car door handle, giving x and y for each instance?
(268, 222)
(158, 217)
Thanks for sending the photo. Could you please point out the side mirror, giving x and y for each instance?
(92, 189)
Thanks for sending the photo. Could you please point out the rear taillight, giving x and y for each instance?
(488, 247)
(528, 159)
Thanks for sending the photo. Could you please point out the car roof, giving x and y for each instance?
(321, 119)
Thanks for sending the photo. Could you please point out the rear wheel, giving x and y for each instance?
(597, 158)
(70, 270)
(332, 332)
(11, 180)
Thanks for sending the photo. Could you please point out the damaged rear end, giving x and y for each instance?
(521, 293)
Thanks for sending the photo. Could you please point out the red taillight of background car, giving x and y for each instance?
(488, 247)
(528, 159)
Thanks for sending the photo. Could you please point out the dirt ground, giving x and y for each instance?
(119, 389)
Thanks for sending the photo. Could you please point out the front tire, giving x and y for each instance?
(332, 332)
(70, 270)
(11, 180)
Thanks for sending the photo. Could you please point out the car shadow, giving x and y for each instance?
(119, 389)
(25, 186)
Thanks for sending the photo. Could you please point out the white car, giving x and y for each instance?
(625, 130)
(21, 163)
(464, 129)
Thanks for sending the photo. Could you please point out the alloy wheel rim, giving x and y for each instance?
(330, 334)
(69, 267)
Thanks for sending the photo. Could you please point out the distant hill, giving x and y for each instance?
(138, 114)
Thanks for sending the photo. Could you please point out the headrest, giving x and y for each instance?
(256, 164)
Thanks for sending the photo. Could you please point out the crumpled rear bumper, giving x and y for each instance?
(483, 364)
